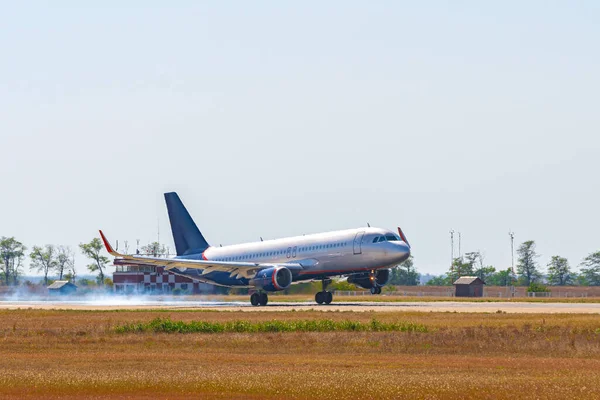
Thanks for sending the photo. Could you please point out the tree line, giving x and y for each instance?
(60, 260)
(528, 271)
(50, 260)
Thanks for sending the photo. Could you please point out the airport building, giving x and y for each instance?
(469, 286)
(151, 279)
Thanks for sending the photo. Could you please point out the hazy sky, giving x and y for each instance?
(283, 118)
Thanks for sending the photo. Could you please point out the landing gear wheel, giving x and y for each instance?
(323, 296)
(376, 290)
(254, 299)
(263, 299)
(319, 298)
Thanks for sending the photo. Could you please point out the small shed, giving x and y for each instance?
(61, 288)
(469, 286)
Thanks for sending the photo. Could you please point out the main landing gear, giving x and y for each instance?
(376, 290)
(259, 299)
(324, 296)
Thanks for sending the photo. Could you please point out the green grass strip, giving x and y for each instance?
(166, 325)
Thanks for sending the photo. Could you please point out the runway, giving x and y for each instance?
(425, 306)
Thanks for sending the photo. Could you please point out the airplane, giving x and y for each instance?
(364, 255)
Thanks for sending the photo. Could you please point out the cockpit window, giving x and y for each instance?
(376, 240)
(392, 238)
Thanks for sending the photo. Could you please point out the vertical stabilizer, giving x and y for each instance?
(186, 235)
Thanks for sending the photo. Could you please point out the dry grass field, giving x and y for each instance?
(74, 354)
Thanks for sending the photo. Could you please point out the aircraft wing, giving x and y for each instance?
(235, 269)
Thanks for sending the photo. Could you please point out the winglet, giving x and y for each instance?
(109, 248)
(403, 237)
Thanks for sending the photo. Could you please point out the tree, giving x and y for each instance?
(405, 274)
(460, 267)
(86, 282)
(43, 259)
(484, 273)
(472, 259)
(537, 288)
(71, 274)
(527, 264)
(500, 278)
(154, 249)
(591, 269)
(64, 261)
(559, 272)
(11, 256)
(581, 280)
(92, 251)
(442, 280)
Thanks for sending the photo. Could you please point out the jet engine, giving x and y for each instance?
(273, 279)
(365, 280)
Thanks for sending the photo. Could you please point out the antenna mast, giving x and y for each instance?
(452, 252)
(512, 250)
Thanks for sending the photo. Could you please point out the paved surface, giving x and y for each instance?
(438, 306)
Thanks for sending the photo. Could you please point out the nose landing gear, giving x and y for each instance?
(324, 296)
(376, 290)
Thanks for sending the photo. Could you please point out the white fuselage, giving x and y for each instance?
(322, 254)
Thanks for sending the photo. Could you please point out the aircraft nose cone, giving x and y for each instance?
(403, 250)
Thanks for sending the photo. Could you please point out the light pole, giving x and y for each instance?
(452, 252)
(512, 250)
(512, 257)
(459, 250)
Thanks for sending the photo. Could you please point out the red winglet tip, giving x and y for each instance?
(106, 244)
(403, 237)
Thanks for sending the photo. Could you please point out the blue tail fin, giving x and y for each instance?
(186, 235)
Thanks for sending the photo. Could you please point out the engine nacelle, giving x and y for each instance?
(273, 279)
(364, 280)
